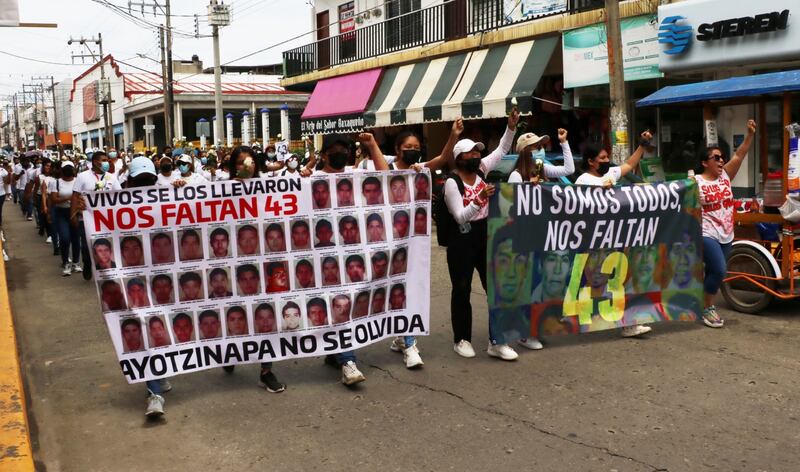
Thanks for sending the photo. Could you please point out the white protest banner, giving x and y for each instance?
(231, 272)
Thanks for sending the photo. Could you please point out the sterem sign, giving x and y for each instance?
(705, 33)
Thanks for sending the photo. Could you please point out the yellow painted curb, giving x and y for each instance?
(15, 441)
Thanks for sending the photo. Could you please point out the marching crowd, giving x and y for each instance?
(49, 190)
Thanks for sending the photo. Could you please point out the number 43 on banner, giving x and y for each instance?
(579, 302)
(285, 206)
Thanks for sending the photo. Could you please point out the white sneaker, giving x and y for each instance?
(3, 236)
(166, 386)
(350, 374)
(5, 255)
(76, 267)
(411, 357)
(398, 344)
(502, 351)
(531, 343)
(636, 330)
(155, 406)
(464, 349)
(48, 240)
(67, 271)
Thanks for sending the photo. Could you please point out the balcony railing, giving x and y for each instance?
(447, 21)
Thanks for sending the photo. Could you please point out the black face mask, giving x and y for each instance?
(604, 167)
(66, 172)
(143, 180)
(166, 167)
(412, 156)
(469, 165)
(338, 160)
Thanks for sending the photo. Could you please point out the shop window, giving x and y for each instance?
(403, 23)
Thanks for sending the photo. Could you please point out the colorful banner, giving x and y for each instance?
(516, 10)
(586, 54)
(574, 259)
(231, 272)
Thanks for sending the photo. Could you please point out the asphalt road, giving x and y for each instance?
(686, 398)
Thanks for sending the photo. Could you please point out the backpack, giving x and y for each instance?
(446, 225)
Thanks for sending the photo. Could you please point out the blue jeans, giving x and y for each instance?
(409, 340)
(68, 236)
(344, 357)
(154, 387)
(715, 257)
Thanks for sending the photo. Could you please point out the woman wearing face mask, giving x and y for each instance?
(530, 149)
(166, 176)
(292, 165)
(68, 234)
(188, 177)
(243, 166)
(466, 249)
(598, 171)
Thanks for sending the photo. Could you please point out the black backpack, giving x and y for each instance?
(446, 226)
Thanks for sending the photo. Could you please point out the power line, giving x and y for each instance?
(39, 60)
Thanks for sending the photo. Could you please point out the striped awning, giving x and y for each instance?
(479, 84)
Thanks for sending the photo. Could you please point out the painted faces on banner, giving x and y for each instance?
(684, 263)
(301, 235)
(157, 329)
(642, 271)
(291, 316)
(247, 240)
(321, 194)
(304, 274)
(340, 309)
(344, 192)
(330, 271)
(398, 189)
(554, 271)
(372, 190)
(510, 273)
(275, 238)
(209, 324)
(220, 243)
(103, 254)
(264, 318)
(132, 251)
(163, 289)
(132, 335)
(236, 321)
(183, 327)
(162, 249)
(317, 312)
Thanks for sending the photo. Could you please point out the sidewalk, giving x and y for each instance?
(686, 398)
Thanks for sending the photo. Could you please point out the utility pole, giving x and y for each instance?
(56, 140)
(16, 124)
(105, 86)
(165, 88)
(218, 16)
(616, 84)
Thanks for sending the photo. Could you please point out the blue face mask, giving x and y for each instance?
(203, 161)
(112, 154)
(105, 166)
(184, 168)
(538, 154)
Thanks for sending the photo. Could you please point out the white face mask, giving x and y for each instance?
(292, 164)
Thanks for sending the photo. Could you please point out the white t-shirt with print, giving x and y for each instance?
(716, 198)
(87, 181)
(614, 173)
(194, 180)
(163, 181)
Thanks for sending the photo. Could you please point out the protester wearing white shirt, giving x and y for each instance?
(167, 175)
(187, 177)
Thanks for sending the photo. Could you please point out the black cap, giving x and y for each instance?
(331, 139)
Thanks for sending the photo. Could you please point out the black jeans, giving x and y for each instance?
(465, 254)
(2, 201)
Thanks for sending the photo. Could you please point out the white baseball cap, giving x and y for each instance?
(142, 165)
(466, 145)
(530, 138)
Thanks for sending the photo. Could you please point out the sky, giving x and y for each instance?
(256, 24)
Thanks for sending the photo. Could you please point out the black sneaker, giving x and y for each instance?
(87, 271)
(229, 368)
(330, 360)
(270, 382)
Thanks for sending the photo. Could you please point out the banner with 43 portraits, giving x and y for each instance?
(195, 277)
(574, 259)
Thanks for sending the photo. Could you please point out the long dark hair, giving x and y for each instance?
(589, 153)
(401, 138)
(524, 164)
(237, 151)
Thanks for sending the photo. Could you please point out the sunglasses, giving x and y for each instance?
(717, 157)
